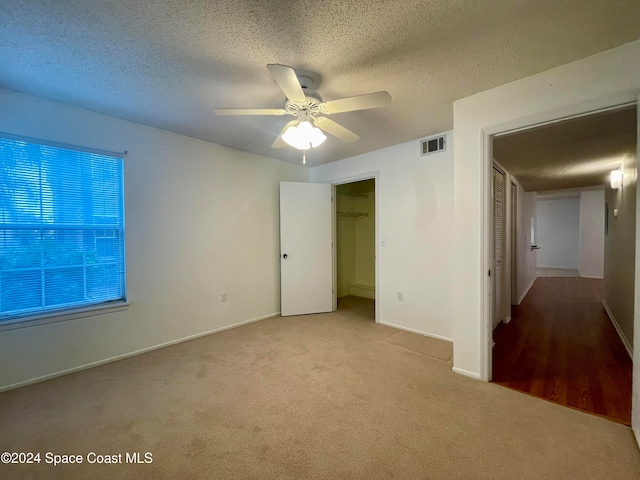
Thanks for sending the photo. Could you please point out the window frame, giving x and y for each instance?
(73, 312)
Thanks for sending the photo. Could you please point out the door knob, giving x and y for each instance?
(284, 256)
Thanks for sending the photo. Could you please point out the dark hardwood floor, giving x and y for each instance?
(561, 346)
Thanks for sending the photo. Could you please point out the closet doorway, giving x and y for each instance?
(356, 246)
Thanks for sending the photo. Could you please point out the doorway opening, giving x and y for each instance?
(356, 248)
(572, 275)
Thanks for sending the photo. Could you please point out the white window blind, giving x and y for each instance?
(61, 229)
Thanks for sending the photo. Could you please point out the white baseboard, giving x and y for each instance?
(419, 332)
(556, 267)
(466, 373)
(526, 290)
(625, 342)
(597, 277)
(364, 291)
(86, 366)
(507, 320)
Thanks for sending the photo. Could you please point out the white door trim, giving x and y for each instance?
(486, 332)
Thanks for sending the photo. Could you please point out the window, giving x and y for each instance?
(61, 229)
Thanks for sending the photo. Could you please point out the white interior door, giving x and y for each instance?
(306, 250)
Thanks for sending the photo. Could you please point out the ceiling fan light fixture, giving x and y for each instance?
(306, 131)
(304, 136)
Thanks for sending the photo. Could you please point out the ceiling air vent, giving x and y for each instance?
(433, 145)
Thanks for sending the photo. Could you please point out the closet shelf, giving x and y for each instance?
(353, 214)
(353, 195)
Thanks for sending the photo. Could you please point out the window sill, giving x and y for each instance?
(62, 316)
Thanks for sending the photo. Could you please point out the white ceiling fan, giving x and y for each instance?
(306, 105)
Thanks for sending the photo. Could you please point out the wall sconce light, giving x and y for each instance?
(616, 179)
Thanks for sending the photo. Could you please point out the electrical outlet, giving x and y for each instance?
(223, 297)
(400, 296)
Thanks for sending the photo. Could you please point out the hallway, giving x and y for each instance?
(561, 346)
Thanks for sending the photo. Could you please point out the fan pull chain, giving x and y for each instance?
(304, 157)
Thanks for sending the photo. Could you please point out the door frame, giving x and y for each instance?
(375, 175)
(522, 124)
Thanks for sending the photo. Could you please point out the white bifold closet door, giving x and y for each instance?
(498, 243)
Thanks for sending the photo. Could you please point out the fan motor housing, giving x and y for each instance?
(310, 106)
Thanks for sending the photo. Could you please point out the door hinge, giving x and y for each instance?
(489, 272)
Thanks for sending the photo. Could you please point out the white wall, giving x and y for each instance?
(366, 240)
(558, 233)
(414, 205)
(570, 229)
(592, 234)
(620, 253)
(346, 240)
(201, 219)
(602, 80)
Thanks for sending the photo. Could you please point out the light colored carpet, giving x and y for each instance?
(427, 346)
(332, 396)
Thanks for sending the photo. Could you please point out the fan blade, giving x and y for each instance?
(280, 143)
(286, 79)
(361, 102)
(250, 111)
(336, 129)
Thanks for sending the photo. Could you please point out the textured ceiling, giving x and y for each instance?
(574, 153)
(170, 63)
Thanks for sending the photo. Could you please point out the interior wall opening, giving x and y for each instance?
(355, 247)
(565, 333)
